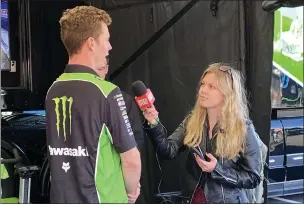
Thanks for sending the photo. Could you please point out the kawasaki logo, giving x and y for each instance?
(64, 101)
(79, 152)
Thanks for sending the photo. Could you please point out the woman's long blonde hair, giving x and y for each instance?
(234, 112)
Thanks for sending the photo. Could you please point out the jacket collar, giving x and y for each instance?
(215, 129)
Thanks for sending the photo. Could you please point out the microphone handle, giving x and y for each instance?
(154, 122)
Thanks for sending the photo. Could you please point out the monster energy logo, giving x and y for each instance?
(63, 100)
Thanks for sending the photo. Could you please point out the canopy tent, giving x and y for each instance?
(237, 32)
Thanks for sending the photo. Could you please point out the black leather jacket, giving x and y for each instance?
(227, 182)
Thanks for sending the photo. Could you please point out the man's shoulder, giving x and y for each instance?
(105, 87)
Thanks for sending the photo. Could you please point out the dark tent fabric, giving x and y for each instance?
(240, 33)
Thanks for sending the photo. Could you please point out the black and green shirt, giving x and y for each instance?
(87, 128)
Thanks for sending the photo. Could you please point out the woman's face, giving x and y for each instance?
(210, 95)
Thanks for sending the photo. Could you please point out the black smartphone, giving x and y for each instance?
(199, 153)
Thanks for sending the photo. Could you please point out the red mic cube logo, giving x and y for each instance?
(143, 102)
(150, 96)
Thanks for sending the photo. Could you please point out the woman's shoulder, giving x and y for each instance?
(250, 126)
(248, 122)
(252, 134)
(252, 137)
(187, 117)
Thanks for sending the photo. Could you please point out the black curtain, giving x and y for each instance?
(48, 53)
(259, 43)
(240, 33)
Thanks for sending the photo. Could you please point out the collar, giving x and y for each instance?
(76, 68)
(215, 129)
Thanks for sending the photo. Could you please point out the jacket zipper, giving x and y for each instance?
(223, 194)
(196, 187)
(223, 187)
(202, 174)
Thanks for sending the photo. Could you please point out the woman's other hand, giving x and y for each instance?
(204, 165)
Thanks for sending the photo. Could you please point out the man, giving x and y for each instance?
(136, 124)
(132, 110)
(91, 147)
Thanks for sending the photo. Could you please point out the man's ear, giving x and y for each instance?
(90, 43)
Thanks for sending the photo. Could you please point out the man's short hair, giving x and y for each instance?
(80, 23)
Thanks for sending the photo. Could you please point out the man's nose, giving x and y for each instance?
(109, 46)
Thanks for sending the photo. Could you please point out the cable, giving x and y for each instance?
(160, 169)
(161, 176)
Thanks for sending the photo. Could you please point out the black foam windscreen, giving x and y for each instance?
(138, 88)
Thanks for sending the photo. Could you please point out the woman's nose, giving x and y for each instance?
(203, 90)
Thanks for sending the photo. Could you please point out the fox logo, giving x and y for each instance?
(66, 166)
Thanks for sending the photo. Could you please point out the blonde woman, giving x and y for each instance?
(218, 127)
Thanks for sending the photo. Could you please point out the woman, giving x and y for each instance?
(219, 128)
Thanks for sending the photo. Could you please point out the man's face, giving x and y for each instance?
(103, 71)
(103, 47)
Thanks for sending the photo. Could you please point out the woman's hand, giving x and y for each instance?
(151, 115)
(204, 165)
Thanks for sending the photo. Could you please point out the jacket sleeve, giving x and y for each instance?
(167, 147)
(247, 174)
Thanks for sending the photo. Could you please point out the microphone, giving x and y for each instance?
(143, 96)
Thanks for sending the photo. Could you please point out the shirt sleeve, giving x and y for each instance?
(119, 124)
(134, 118)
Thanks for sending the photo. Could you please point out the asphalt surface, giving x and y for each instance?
(293, 199)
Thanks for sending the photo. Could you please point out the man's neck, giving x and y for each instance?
(101, 74)
(81, 60)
